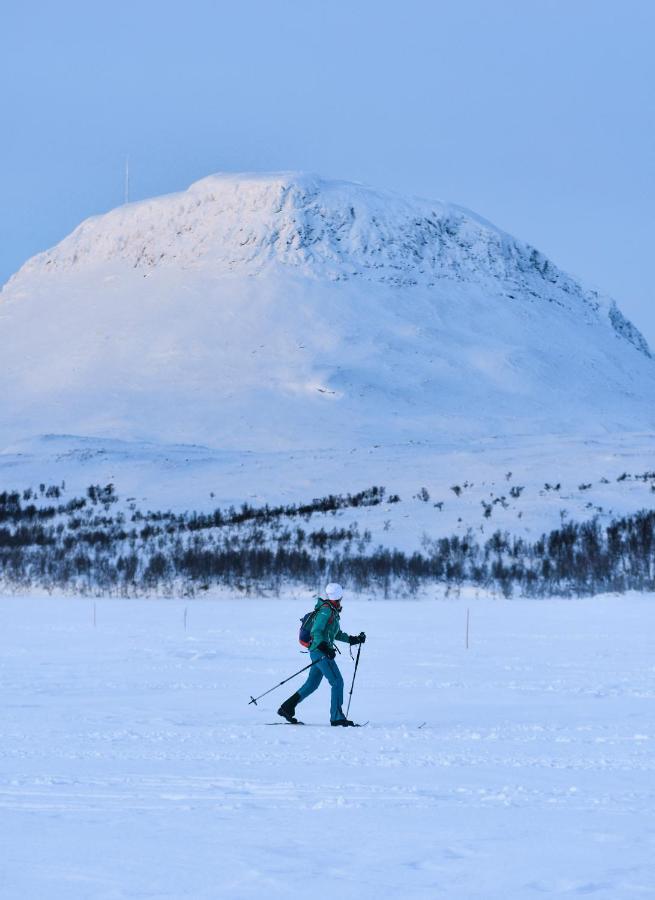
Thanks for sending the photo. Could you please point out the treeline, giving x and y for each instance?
(90, 545)
(266, 514)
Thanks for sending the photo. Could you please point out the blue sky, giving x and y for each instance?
(539, 116)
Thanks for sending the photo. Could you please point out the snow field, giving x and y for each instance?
(131, 764)
(183, 478)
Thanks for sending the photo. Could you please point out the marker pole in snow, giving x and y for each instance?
(350, 695)
(255, 699)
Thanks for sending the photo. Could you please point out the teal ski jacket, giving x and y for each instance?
(326, 625)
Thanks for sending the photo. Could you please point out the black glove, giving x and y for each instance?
(357, 638)
(328, 651)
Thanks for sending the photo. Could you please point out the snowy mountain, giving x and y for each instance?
(280, 312)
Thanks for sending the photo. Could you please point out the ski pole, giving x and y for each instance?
(350, 695)
(255, 699)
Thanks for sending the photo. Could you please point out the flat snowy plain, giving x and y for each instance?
(131, 764)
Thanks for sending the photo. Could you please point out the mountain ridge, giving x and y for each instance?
(328, 229)
(288, 311)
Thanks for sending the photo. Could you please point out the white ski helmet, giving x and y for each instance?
(333, 591)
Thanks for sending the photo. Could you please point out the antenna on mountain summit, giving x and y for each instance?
(127, 179)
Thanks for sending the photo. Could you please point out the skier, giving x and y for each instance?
(325, 631)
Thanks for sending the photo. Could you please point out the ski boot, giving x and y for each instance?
(288, 709)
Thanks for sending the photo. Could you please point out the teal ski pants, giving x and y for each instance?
(329, 669)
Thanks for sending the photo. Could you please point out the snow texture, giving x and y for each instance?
(131, 764)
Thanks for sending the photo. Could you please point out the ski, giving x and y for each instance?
(355, 725)
(286, 723)
(327, 725)
(318, 724)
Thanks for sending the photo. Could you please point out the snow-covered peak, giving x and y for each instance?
(329, 229)
(325, 229)
(287, 310)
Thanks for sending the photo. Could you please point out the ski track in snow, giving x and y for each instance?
(131, 764)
